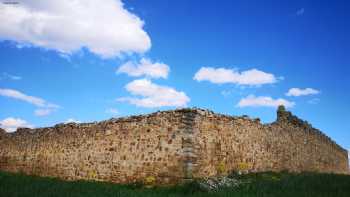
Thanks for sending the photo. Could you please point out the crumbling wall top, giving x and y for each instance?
(285, 117)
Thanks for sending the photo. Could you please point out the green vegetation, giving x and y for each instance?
(261, 184)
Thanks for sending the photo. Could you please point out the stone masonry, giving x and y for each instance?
(171, 147)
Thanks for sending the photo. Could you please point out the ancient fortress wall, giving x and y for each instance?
(170, 146)
(118, 150)
(224, 143)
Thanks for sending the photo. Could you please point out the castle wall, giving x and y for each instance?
(122, 150)
(170, 146)
(223, 143)
(226, 143)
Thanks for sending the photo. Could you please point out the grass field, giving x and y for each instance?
(261, 184)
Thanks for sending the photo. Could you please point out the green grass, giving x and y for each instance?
(261, 184)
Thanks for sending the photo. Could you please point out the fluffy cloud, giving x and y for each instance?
(263, 101)
(154, 95)
(301, 92)
(11, 124)
(45, 108)
(223, 75)
(145, 68)
(105, 28)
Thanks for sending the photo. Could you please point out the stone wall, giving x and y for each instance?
(118, 150)
(226, 143)
(170, 146)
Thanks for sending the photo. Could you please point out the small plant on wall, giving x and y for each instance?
(150, 181)
(243, 167)
(221, 168)
(92, 174)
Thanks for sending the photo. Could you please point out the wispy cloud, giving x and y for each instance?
(44, 112)
(5, 75)
(302, 92)
(263, 101)
(23, 97)
(253, 77)
(10, 124)
(45, 108)
(153, 95)
(300, 12)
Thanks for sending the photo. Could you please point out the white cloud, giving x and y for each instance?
(5, 75)
(145, 68)
(301, 92)
(263, 101)
(154, 95)
(72, 120)
(45, 108)
(23, 97)
(105, 28)
(11, 124)
(223, 75)
(112, 111)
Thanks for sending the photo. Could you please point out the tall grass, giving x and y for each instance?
(260, 184)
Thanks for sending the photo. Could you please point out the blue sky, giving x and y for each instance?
(62, 62)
